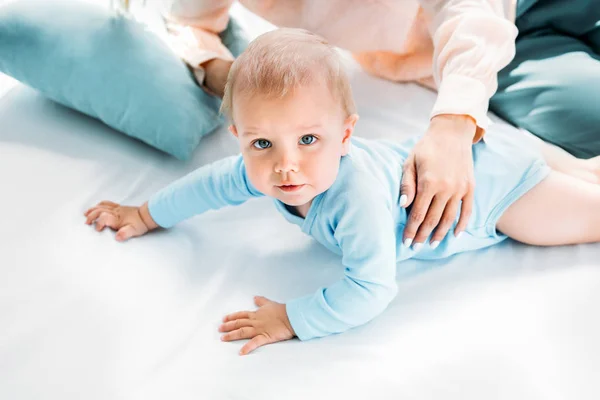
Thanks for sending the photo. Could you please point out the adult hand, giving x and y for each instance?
(437, 177)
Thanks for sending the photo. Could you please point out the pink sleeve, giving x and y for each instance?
(193, 27)
(473, 40)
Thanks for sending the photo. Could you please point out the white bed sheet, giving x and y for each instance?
(82, 316)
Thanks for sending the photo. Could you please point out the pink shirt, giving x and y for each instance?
(456, 46)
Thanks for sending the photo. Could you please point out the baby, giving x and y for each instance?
(291, 108)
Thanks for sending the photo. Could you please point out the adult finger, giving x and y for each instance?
(448, 218)
(465, 213)
(425, 193)
(408, 186)
(434, 214)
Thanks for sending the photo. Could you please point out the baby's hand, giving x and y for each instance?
(269, 324)
(127, 221)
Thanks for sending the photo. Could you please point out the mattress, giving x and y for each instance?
(82, 316)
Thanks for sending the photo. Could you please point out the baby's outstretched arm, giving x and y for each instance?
(213, 186)
(126, 220)
(363, 226)
(364, 229)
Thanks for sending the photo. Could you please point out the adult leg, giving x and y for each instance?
(551, 86)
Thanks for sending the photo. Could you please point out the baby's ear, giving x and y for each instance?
(349, 125)
(233, 130)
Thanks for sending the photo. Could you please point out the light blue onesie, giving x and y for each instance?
(359, 217)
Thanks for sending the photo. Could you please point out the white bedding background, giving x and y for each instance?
(84, 317)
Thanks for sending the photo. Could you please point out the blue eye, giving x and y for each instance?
(308, 139)
(262, 144)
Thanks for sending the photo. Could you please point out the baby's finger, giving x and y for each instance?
(94, 213)
(261, 301)
(126, 232)
(90, 210)
(233, 325)
(108, 204)
(247, 332)
(106, 219)
(255, 343)
(237, 315)
(102, 205)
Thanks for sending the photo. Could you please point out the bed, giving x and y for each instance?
(82, 316)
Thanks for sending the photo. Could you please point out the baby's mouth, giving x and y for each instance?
(290, 188)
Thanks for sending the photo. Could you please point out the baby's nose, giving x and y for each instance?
(286, 163)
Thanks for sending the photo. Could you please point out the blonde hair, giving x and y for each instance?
(278, 62)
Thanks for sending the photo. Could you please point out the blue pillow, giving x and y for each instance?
(111, 68)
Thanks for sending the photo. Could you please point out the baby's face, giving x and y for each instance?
(292, 146)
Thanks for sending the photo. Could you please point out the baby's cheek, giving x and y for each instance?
(259, 179)
(327, 173)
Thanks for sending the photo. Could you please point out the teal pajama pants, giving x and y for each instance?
(552, 87)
